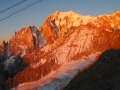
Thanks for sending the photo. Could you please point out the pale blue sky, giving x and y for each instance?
(37, 14)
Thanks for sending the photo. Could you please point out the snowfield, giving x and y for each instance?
(59, 78)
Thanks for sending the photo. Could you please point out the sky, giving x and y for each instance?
(36, 14)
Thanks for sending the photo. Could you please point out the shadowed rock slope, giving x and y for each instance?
(103, 75)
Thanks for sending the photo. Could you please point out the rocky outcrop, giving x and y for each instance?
(22, 40)
(4, 50)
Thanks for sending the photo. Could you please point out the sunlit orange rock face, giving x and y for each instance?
(21, 40)
(69, 37)
(49, 35)
(24, 40)
(109, 21)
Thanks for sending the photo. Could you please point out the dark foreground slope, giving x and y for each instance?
(103, 75)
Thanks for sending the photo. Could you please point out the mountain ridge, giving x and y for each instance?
(66, 20)
(64, 37)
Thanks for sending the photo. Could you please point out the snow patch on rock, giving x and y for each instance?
(35, 65)
(23, 54)
(8, 62)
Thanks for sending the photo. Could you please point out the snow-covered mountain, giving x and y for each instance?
(64, 37)
(60, 23)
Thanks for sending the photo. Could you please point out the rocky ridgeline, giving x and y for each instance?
(64, 37)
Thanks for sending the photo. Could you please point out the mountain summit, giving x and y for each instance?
(60, 23)
(27, 39)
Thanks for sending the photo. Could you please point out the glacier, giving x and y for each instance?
(59, 78)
